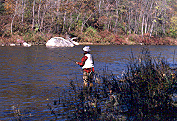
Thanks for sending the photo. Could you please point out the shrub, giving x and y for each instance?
(151, 81)
(143, 92)
(91, 35)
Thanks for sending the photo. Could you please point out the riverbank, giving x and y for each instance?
(132, 39)
(136, 40)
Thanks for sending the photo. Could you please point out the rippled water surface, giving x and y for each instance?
(31, 77)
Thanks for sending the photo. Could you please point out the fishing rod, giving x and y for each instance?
(65, 57)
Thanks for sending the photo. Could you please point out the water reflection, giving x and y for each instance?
(30, 77)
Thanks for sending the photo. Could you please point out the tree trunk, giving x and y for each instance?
(129, 21)
(33, 14)
(58, 13)
(22, 10)
(145, 28)
(136, 23)
(14, 17)
(117, 15)
(39, 14)
(42, 21)
(71, 22)
(142, 27)
(99, 8)
(151, 29)
(64, 21)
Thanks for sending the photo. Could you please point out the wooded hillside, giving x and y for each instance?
(90, 20)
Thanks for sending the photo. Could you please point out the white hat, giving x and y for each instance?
(86, 48)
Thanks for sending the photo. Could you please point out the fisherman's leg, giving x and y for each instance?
(85, 83)
(90, 82)
(90, 86)
(85, 79)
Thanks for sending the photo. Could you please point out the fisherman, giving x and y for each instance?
(87, 64)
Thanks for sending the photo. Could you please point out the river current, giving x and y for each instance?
(31, 77)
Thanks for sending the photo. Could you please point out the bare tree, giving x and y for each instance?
(33, 14)
(15, 13)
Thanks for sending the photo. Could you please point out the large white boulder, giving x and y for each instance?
(59, 42)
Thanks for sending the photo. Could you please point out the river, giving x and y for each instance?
(31, 77)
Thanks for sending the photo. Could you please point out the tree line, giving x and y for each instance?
(152, 17)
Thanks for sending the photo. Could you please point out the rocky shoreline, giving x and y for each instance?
(120, 41)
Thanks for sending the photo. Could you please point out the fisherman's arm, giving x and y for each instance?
(82, 61)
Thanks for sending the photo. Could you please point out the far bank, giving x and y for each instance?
(132, 39)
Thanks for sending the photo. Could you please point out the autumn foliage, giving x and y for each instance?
(96, 21)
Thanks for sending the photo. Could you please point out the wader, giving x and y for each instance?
(88, 80)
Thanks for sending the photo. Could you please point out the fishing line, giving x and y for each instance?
(65, 57)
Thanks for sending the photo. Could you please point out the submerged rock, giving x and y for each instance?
(60, 42)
